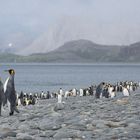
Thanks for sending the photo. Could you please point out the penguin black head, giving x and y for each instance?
(11, 71)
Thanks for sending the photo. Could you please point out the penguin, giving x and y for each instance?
(99, 90)
(21, 97)
(87, 92)
(59, 98)
(1, 96)
(30, 98)
(131, 86)
(10, 93)
(18, 100)
(51, 95)
(41, 95)
(81, 92)
(91, 90)
(125, 91)
(111, 91)
(105, 93)
(74, 92)
(61, 92)
(48, 95)
(66, 94)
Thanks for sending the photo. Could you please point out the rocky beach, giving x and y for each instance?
(77, 118)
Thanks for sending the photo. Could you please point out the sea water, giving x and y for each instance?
(32, 77)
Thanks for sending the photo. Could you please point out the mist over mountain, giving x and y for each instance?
(14, 37)
(37, 26)
(68, 29)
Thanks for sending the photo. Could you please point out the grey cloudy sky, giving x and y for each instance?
(31, 14)
(37, 11)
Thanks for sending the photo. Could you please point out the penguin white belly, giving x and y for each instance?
(74, 92)
(125, 92)
(8, 103)
(87, 93)
(112, 94)
(19, 102)
(81, 92)
(61, 92)
(5, 88)
(5, 84)
(128, 87)
(101, 95)
(66, 94)
(59, 98)
(131, 88)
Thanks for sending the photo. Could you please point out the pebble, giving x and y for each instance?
(80, 118)
(5, 134)
(59, 106)
(23, 136)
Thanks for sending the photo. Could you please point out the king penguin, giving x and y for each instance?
(9, 91)
(1, 96)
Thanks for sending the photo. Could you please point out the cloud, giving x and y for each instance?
(49, 10)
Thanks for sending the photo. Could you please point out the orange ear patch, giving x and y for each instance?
(12, 72)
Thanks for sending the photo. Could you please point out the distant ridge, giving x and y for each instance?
(131, 53)
(81, 51)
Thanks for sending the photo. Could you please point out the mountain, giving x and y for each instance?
(81, 51)
(70, 28)
(26, 39)
(87, 51)
(8, 57)
(130, 53)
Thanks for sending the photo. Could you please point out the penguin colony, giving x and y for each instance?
(9, 96)
(103, 90)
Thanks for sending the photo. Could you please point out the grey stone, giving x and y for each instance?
(59, 106)
(68, 134)
(8, 134)
(23, 127)
(77, 126)
(100, 125)
(49, 126)
(90, 119)
(48, 134)
(134, 125)
(24, 117)
(115, 124)
(23, 136)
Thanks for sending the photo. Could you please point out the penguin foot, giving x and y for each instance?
(11, 113)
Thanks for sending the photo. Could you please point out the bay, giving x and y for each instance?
(37, 77)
